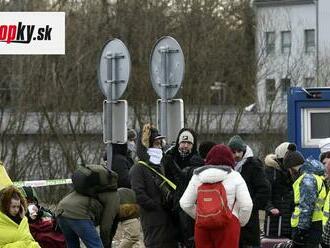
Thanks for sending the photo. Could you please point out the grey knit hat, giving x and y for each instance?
(236, 143)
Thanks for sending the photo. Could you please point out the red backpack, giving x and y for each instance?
(212, 209)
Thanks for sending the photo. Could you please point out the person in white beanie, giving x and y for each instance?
(281, 150)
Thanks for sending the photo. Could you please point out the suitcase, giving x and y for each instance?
(271, 242)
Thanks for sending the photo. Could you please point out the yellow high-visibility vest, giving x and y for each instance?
(317, 213)
(326, 209)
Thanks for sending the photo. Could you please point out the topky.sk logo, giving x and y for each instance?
(32, 33)
(21, 33)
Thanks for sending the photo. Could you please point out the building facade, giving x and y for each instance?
(292, 48)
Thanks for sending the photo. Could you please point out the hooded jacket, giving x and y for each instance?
(180, 169)
(308, 191)
(233, 183)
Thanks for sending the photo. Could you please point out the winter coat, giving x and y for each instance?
(156, 223)
(238, 196)
(101, 209)
(281, 197)
(157, 226)
(14, 235)
(308, 196)
(253, 172)
(121, 164)
(180, 170)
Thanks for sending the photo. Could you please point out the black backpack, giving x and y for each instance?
(92, 179)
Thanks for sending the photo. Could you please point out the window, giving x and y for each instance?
(309, 40)
(286, 42)
(309, 82)
(270, 42)
(270, 89)
(285, 86)
(318, 128)
(315, 126)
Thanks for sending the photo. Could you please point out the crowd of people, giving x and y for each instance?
(183, 195)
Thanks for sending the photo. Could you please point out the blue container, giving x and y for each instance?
(308, 118)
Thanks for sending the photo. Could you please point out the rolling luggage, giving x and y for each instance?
(271, 242)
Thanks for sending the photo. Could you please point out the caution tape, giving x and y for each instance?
(42, 183)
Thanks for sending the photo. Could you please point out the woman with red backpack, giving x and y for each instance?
(218, 199)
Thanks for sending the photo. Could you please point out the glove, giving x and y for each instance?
(300, 237)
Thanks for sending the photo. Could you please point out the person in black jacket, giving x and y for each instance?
(158, 228)
(121, 164)
(280, 202)
(179, 163)
(253, 172)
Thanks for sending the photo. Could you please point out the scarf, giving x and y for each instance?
(248, 154)
(184, 154)
(156, 155)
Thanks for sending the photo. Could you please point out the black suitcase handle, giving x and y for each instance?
(279, 230)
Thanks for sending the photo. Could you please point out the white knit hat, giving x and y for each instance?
(186, 136)
(324, 145)
(281, 150)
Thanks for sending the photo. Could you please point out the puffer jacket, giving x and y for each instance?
(281, 197)
(234, 184)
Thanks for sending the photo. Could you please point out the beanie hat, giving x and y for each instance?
(293, 158)
(324, 145)
(236, 143)
(220, 155)
(186, 136)
(205, 147)
(281, 150)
